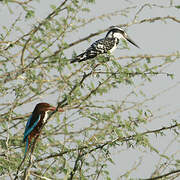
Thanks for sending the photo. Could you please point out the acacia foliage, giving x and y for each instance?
(79, 143)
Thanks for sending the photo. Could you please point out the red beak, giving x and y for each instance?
(52, 108)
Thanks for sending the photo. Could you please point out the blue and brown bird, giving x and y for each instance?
(107, 44)
(35, 122)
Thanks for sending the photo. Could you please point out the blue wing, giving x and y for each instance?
(28, 129)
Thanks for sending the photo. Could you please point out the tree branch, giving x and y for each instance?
(100, 146)
(50, 16)
(164, 175)
(76, 165)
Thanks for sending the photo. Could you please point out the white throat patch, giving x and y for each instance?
(118, 35)
(45, 116)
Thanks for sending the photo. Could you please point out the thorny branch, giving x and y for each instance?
(100, 146)
(19, 2)
(120, 25)
(50, 16)
(14, 74)
(132, 73)
(76, 165)
(64, 101)
(60, 105)
(165, 175)
(27, 170)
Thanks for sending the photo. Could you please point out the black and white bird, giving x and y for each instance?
(107, 44)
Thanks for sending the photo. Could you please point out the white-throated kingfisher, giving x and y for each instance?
(36, 121)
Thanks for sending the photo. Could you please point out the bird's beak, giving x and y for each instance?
(54, 108)
(131, 41)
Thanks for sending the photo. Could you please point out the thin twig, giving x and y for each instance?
(98, 146)
(164, 175)
(50, 16)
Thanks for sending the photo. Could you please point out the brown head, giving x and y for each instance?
(43, 107)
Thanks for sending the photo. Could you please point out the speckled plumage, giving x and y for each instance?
(101, 46)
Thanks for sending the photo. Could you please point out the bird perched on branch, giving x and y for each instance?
(101, 46)
(35, 122)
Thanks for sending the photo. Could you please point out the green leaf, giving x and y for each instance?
(148, 60)
(29, 14)
(170, 75)
(178, 7)
(108, 178)
(168, 59)
(53, 6)
(164, 156)
(86, 9)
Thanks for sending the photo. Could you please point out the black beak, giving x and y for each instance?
(131, 41)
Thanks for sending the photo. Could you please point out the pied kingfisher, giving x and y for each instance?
(101, 46)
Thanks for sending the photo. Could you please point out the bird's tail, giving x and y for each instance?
(27, 146)
(79, 58)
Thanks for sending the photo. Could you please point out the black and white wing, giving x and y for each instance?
(100, 46)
